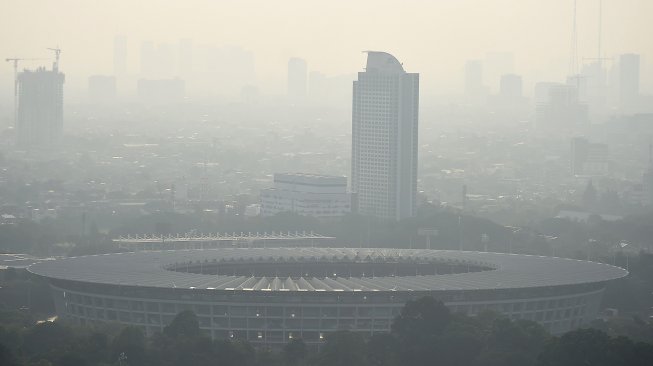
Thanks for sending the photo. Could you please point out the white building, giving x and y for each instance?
(384, 138)
(320, 196)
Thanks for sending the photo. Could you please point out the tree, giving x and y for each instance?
(294, 352)
(579, 347)
(131, 344)
(383, 350)
(343, 348)
(523, 335)
(184, 324)
(72, 359)
(7, 357)
(48, 340)
(417, 329)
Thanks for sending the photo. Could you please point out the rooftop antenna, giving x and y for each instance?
(57, 52)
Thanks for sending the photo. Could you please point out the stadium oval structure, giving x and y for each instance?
(269, 296)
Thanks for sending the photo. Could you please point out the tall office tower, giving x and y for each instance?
(384, 138)
(120, 55)
(297, 78)
(628, 80)
(40, 107)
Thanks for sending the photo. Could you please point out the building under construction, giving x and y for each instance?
(39, 119)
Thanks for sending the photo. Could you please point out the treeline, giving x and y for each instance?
(89, 234)
(425, 333)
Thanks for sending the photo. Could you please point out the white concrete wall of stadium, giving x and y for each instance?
(276, 323)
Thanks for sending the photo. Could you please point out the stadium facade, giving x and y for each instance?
(268, 296)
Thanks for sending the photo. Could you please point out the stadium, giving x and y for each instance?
(269, 296)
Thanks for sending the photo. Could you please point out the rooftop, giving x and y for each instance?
(157, 269)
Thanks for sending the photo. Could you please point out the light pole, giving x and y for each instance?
(590, 243)
(622, 245)
(428, 233)
(485, 239)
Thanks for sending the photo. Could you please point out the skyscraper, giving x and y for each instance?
(40, 107)
(384, 138)
(297, 78)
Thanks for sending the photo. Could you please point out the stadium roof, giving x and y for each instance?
(148, 269)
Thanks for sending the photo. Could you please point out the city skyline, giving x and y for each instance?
(541, 52)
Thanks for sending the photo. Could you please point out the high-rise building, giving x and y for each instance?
(384, 138)
(557, 106)
(628, 80)
(297, 78)
(40, 107)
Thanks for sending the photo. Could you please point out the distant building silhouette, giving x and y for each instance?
(297, 78)
(629, 81)
(384, 138)
(557, 106)
(40, 107)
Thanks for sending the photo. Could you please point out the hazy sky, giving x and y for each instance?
(431, 37)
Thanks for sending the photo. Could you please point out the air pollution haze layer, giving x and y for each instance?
(433, 38)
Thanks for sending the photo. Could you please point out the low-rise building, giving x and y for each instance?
(320, 196)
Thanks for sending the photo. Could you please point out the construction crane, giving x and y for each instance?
(15, 60)
(57, 52)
